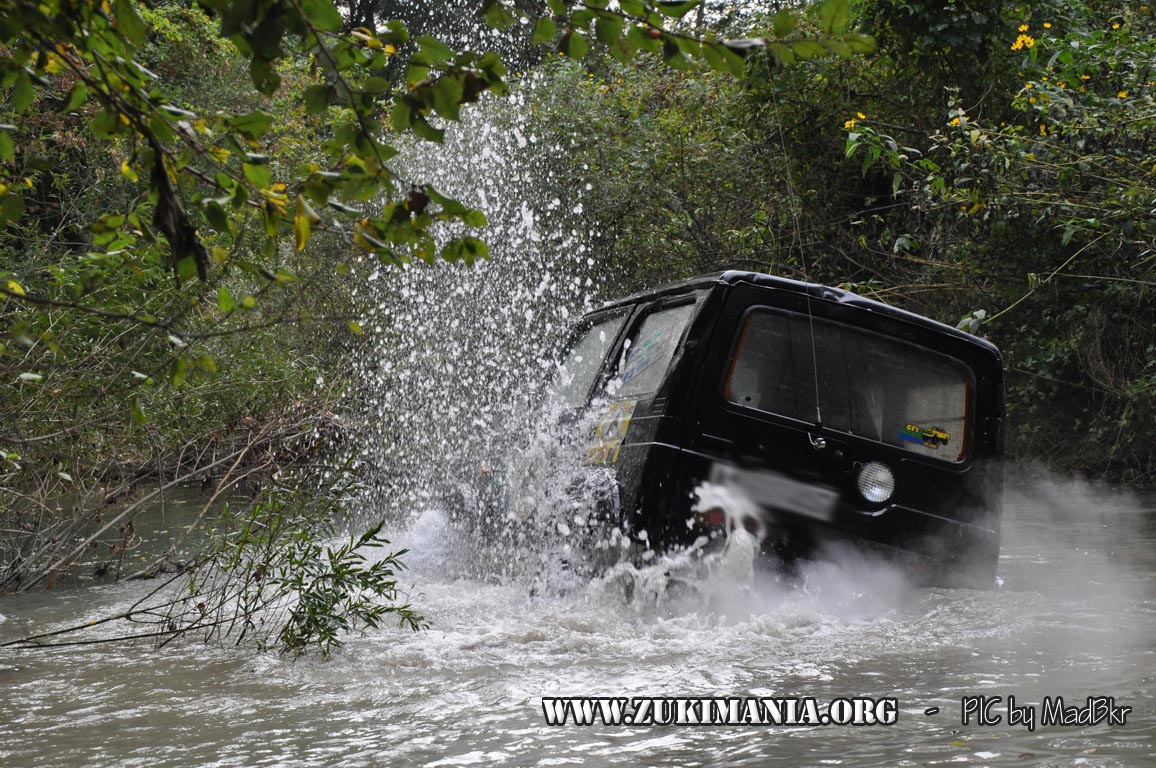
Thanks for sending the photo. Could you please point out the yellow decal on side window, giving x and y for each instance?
(609, 431)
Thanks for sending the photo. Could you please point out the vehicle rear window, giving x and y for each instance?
(581, 366)
(649, 351)
(868, 385)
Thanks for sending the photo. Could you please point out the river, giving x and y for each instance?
(1074, 617)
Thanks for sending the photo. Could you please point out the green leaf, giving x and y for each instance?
(447, 96)
(557, 6)
(11, 208)
(129, 22)
(834, 16)
(104, 124)
(7, 148)
(77, 97)
(138, 414)
(575, 45)
(859, 43)
(323, 14)
(784, 23)
(608, 28)
(400, 115)
(475, 218)
(641, 40)
(253, 125)
(259, 175)
(544, 30)
(217, 217)
(724, 58)
(783, 54)
(497, 15)
(178, 372)
(837, 47)
(355, 328)
(632, 7)
(264, 76)
(187, 268)
(225, 300)
(676, 10)
(426, 131)
(302, 230)
(436, 51)
(317, 99)
(673, 55)
(808, 49)
(376, 85)
(22, 93)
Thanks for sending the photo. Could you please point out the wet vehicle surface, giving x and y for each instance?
(803, 414)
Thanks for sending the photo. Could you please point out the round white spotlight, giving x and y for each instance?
(875, 481)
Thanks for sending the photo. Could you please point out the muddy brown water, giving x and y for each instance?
(1074, 617)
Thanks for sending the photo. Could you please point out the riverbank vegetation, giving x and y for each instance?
(990, 167)
(189, 191)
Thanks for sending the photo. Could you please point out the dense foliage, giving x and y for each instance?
(990, 167)
(185, 190)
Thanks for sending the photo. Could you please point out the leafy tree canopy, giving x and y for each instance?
(207, 176)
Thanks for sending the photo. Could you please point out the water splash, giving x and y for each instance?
(451, 388)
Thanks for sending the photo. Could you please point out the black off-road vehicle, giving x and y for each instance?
(836, 418)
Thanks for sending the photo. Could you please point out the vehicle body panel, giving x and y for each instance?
(666, 442)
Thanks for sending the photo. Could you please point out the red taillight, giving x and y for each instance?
(712, 518)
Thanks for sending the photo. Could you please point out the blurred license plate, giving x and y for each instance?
(779, 492)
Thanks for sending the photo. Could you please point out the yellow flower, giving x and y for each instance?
(1029, 85)
(1085, 77)
(1047, 25)
(1115, 25)
(849, 124)
(1023, 28)
(1023, 41)
(1043, 130)
(955, 121)
(1032, 100)
(1122, 95)
(861, 115)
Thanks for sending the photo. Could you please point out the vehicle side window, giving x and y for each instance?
(869, 385)
(577, 373)
(648, 352)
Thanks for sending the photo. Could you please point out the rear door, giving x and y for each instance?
(807, 391)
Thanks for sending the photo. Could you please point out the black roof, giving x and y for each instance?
(816, 291)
